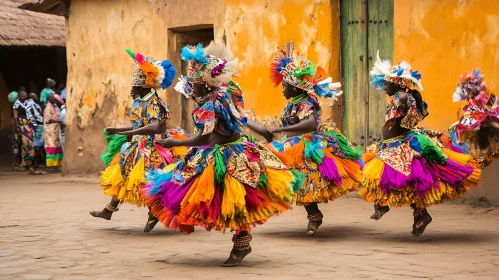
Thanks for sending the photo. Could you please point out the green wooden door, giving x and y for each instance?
(366, 27)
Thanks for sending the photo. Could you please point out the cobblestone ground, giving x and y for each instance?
(47, 233)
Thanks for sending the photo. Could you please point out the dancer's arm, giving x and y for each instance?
(154, 127)
(116, 130)
(260, 129)
(197, 140)
(306, 125)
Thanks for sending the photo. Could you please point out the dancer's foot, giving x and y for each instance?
(104, 214)
(240, 250)
(313, 227)
(379, 211)
(314, 221)
(236, 257)
(421, 220)
(151, 222)
(107, 212)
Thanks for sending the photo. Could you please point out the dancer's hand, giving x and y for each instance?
(166, 143)
(274, 130)
(269, 136)
(111, 130)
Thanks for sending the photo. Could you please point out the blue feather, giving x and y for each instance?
(198, 54)
(170, 72)
(378, 82)
(416, 75)
(283, 63)
(323, 90)
(155, 178)
(399, 71)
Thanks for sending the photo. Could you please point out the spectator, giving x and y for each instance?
(52, 131)
(63, 122)
(15, 137)
(47, 91)
(38, 138)
(63, 94)
(28, 122)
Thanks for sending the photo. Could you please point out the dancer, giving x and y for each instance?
(411, 167)
(226, 182)
(479, 126)
(131, 160)
(28, 121)
(323, 154)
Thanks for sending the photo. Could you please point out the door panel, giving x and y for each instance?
(353, 31)
(366, 26)
(380, 37)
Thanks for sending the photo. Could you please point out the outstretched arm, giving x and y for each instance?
(116, 130)
(197, 140)
(260, 129)
(306, 125)
(152, 128)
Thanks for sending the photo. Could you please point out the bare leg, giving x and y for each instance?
(314, 216)
(108, 210)
(240, 250)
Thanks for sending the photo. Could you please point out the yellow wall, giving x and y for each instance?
(254, 29)
(442, 39)
(99, 69)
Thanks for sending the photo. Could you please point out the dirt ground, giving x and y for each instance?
(47, 233)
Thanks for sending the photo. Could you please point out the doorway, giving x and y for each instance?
(180, 115)
(366, 27)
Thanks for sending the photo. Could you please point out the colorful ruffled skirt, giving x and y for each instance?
(233, 186)
(127, 171)
(420, 167)
(331, 166)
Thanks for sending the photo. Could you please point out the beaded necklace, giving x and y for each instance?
(299, 98)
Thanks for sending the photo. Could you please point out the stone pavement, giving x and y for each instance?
(47, 233)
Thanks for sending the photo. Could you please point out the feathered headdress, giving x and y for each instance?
(301, 73)
(470, 86)
(148, 72)
(215, 64)
(400, 74)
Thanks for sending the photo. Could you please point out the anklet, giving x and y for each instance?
(418, 212)
(242, 243)
(317, 217)
(111, 208)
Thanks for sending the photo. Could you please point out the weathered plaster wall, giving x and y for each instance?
(99, 68)
(442, 39)
(255, 28)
